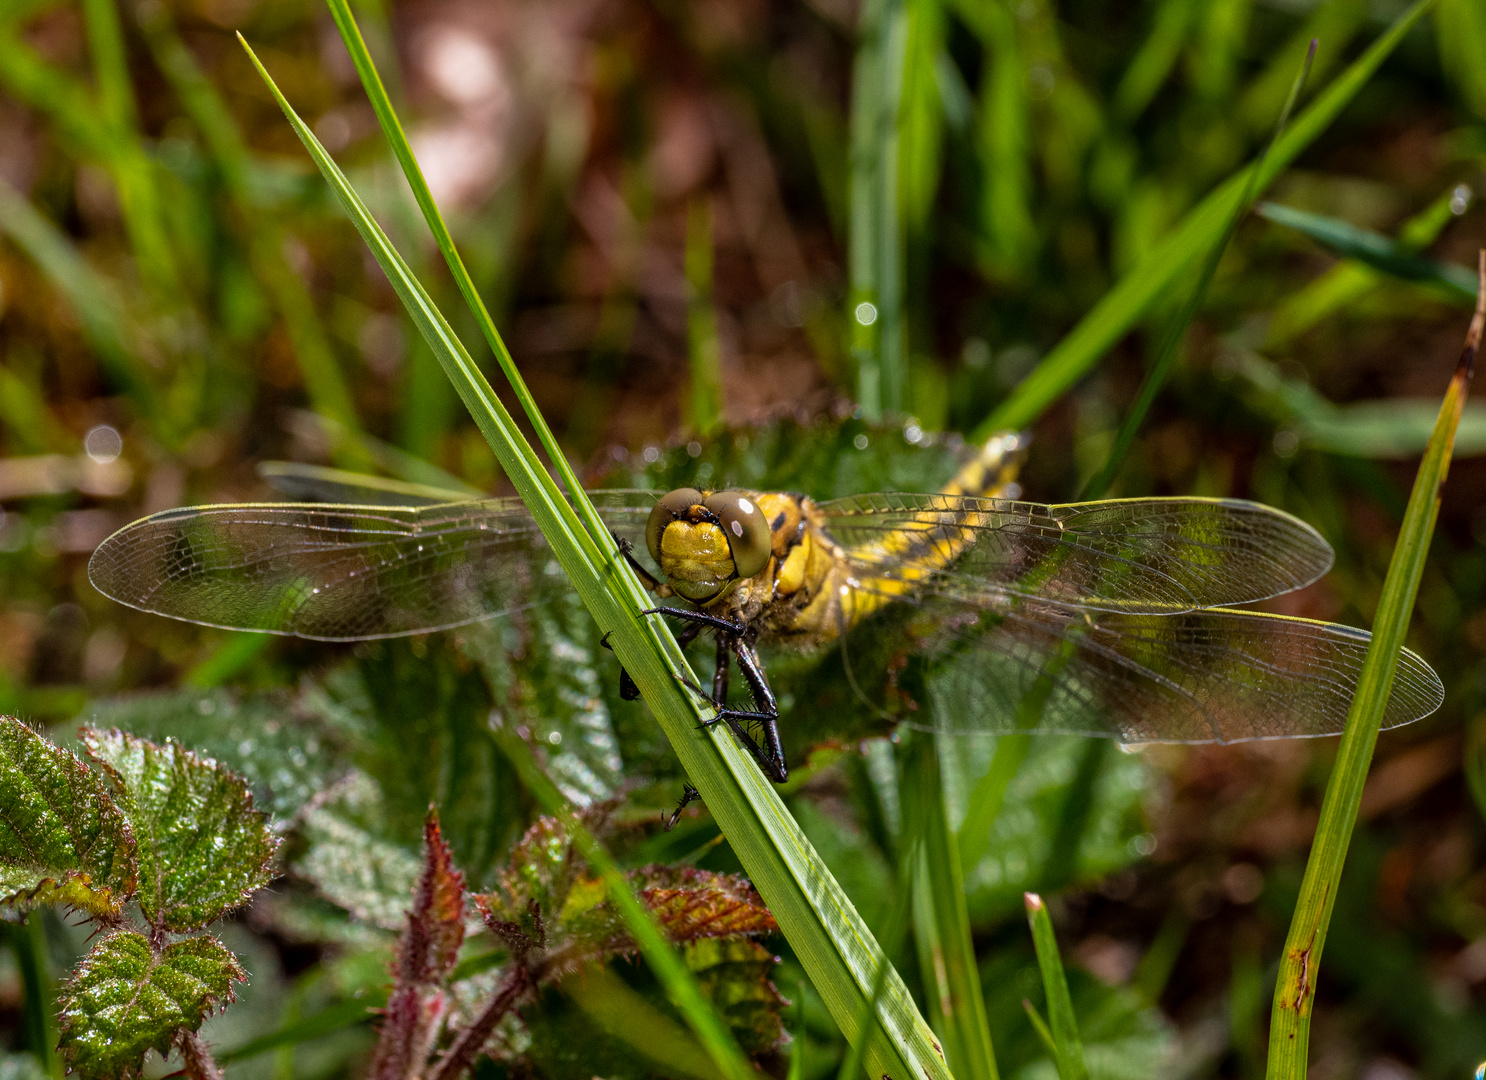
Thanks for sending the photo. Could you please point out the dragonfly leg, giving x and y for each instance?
(647, 579)
(689, 795)
(699, 618)
(770, 755)
(720, 673)
(628, 691)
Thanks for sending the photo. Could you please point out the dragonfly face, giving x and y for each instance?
(704, 543)
(1113, 618)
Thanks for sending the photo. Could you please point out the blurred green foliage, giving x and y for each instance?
(651, 196)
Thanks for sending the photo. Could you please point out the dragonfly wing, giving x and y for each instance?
(1207, 676)
(1131, 555)
(338, 573)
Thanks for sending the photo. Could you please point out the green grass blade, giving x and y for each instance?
(1289, 1033)
(1348, 282)
(833, 944)
(1374, 249)
(703, 404)
(680, 984)
(1077, 353)
(1004, 140)
(1068, 1047)
(942, 921)
(989, 795)
(39, 1001)
(1151, 385)
(1039, 1026)
(1153, 61)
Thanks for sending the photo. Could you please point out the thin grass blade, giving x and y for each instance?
(1374, 249)
(704, 400)
(942, 920)
(1289, 1033)
(1068, 1046)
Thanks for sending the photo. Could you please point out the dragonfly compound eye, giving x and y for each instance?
(746, 528)
(672, 506)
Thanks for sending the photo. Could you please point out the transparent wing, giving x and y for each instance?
(1208, 676)
(340, 573)
(1132, 555)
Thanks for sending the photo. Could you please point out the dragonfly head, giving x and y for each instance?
(706, 542)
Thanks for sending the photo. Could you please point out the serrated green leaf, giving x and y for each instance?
(63, 839)
(125, 999)
(280, 745)
(203, 849)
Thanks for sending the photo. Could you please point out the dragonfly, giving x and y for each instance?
(1115, 618)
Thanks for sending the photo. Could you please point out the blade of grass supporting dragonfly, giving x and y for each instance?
(835, 947)
(1099, 483)
(1374, 249)
(704, 396)
(941, 919)
(264, 236)
(893, 936)
(1081, 348)
(680, 984)
(1068, 1047)
(1289, 1033)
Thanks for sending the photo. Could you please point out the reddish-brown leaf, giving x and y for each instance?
(425, 957)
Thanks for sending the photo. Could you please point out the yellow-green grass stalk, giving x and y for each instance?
(1294, 994)
(832, 942)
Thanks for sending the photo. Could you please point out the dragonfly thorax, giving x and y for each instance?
(705, 542)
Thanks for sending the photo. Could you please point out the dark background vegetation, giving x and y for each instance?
(173, 270)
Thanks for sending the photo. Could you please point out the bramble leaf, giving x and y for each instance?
(202, 847)
(282, 745)
(63, 839)
(544, 901)
(425, 957)
(124, 999)
(694, 905)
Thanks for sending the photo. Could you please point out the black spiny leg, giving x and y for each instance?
(770, 756)
(627, 688)
(689, 795)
